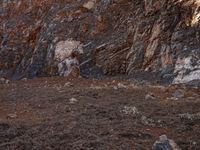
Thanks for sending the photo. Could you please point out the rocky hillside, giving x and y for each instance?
(65, 37)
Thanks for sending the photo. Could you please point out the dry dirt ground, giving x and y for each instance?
(58, 113)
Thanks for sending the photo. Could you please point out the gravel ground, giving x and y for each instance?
(59, 113)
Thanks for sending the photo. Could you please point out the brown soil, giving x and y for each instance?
(38, 114)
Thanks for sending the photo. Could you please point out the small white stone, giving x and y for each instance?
(7, 81)
(2, 80)
(12, 116)
(73, 100)
(149, 96)
(89, 5)
(24, 79)
(128, 110)
(121, 85)
(115, 88)
(67, 84)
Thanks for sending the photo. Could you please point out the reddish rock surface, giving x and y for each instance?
(120, 37)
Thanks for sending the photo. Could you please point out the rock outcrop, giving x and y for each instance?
(165, 144)
(118, 36)
(66, 57)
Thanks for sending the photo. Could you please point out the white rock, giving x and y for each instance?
(149, 96)
(89, 5)
(121, 86)
(7, 81)
(73, 100)
(115, 88)
(128, 110)
(4, 81)
(184, 65)
(12, 116)
(65, 49)
(67, 84)
(24, 79)
(66, 54)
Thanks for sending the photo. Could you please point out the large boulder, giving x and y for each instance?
(66, 57)
(165, 144)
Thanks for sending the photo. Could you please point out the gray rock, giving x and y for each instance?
(194, 83)
(165, 144)
(178, 94)
(147, 121)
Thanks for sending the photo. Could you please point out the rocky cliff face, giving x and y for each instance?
(48, 37)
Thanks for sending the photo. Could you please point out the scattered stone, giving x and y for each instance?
(89, 5)
(178, 94)
(147, 121)
(70, 19)
(194, 143)
(149, 96)
(190, 116)
(159, 121)
(7, 81)
(121, 86)
(165, 144)
(115, 88)
(68, 84)
(12, 116)
(96, 87)
(73, 100)
(4, 81)
(24, 79)
(133, 85)
(128, 110)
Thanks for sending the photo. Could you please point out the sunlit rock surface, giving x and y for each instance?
(187, 69)
(117, 36)
(66, 57)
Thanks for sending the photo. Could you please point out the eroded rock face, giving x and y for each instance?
(119, 36)
(164, 34)
(187, 68)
